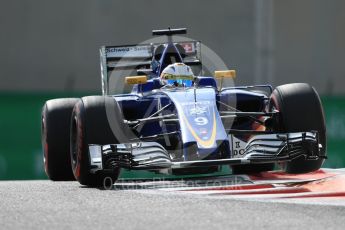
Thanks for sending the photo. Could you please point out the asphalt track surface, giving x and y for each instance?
(67, 205)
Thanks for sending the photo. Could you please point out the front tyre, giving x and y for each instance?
(300, 110)
(90, 125)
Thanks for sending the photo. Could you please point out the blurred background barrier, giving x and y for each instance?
(48, 45)
(21, 152)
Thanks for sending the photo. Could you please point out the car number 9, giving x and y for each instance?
(201, 121)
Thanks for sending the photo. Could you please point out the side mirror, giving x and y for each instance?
(221, 74)
(225, 74)
(131, 80)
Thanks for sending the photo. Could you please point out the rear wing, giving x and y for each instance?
(140, 58)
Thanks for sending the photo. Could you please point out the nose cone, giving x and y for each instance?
(192, 151)
(201, 127)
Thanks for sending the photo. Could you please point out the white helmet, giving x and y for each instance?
(178, 74)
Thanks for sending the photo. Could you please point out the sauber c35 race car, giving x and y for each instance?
(178, 122)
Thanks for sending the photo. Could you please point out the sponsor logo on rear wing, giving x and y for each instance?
(139, 51)
(144, 51)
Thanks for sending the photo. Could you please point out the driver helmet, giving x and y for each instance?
(177, 74)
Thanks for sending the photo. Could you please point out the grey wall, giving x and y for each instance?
(310, 43)
(53, 45)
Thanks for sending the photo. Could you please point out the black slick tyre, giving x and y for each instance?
(91, 124)
(300, 110)
(55, 128)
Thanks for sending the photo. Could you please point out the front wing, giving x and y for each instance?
(264, 148)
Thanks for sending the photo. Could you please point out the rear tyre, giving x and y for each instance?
(55, 128)
(300, 110)
(90, 125)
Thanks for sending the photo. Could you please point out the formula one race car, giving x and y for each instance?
(168, 119)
